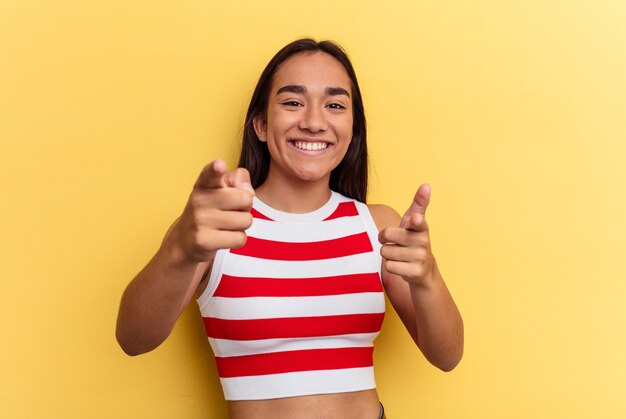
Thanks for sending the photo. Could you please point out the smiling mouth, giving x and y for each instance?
(310, 146)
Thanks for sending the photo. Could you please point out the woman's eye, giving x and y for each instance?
(292, 103)
(336, 106)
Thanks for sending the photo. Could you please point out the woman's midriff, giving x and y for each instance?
(358, 404)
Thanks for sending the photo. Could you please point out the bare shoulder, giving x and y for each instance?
(384, 216)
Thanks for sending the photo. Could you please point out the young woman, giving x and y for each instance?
(288, 263)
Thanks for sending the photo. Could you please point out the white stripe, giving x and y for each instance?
(284, 307)
(306, 233)
(239, 265)
(285, 217)
(298, 384)
(227, 347)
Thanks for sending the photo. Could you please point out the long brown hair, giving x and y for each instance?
(349, 178)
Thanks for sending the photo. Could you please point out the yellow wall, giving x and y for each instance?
(514, 111)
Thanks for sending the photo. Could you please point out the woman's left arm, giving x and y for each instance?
(414, 284)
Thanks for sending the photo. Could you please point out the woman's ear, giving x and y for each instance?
(260, 127)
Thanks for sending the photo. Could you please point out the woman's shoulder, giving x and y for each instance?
(384, 216)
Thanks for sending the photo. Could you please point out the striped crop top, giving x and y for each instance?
(295, 311)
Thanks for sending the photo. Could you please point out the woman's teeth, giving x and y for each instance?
(304, 145)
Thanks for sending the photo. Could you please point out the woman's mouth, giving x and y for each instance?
(310, 145)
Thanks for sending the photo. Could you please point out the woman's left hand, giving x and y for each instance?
(406, 249)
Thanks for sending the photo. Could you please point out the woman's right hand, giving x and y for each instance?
(217, 213)
(215, 217)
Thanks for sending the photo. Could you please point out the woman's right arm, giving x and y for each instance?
(215, 217)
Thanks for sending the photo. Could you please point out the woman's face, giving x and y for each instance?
(309, 117)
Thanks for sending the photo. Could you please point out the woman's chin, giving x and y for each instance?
(313, 176)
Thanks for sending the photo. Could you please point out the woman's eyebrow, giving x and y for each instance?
(298, 89)
(292, 88)
(336, 91)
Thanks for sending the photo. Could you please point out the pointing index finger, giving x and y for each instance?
(238, 178)
(212, 175)
(414, 222)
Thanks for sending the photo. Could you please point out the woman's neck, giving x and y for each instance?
(294, 195)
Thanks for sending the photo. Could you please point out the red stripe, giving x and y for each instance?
(293, 327)
(325, 249)
(292, 361)
(344, 209)
(235, 286)
(257, 214)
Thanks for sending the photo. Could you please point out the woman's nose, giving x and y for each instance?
(313, 119)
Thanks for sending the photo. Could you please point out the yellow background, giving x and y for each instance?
(514, 111)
